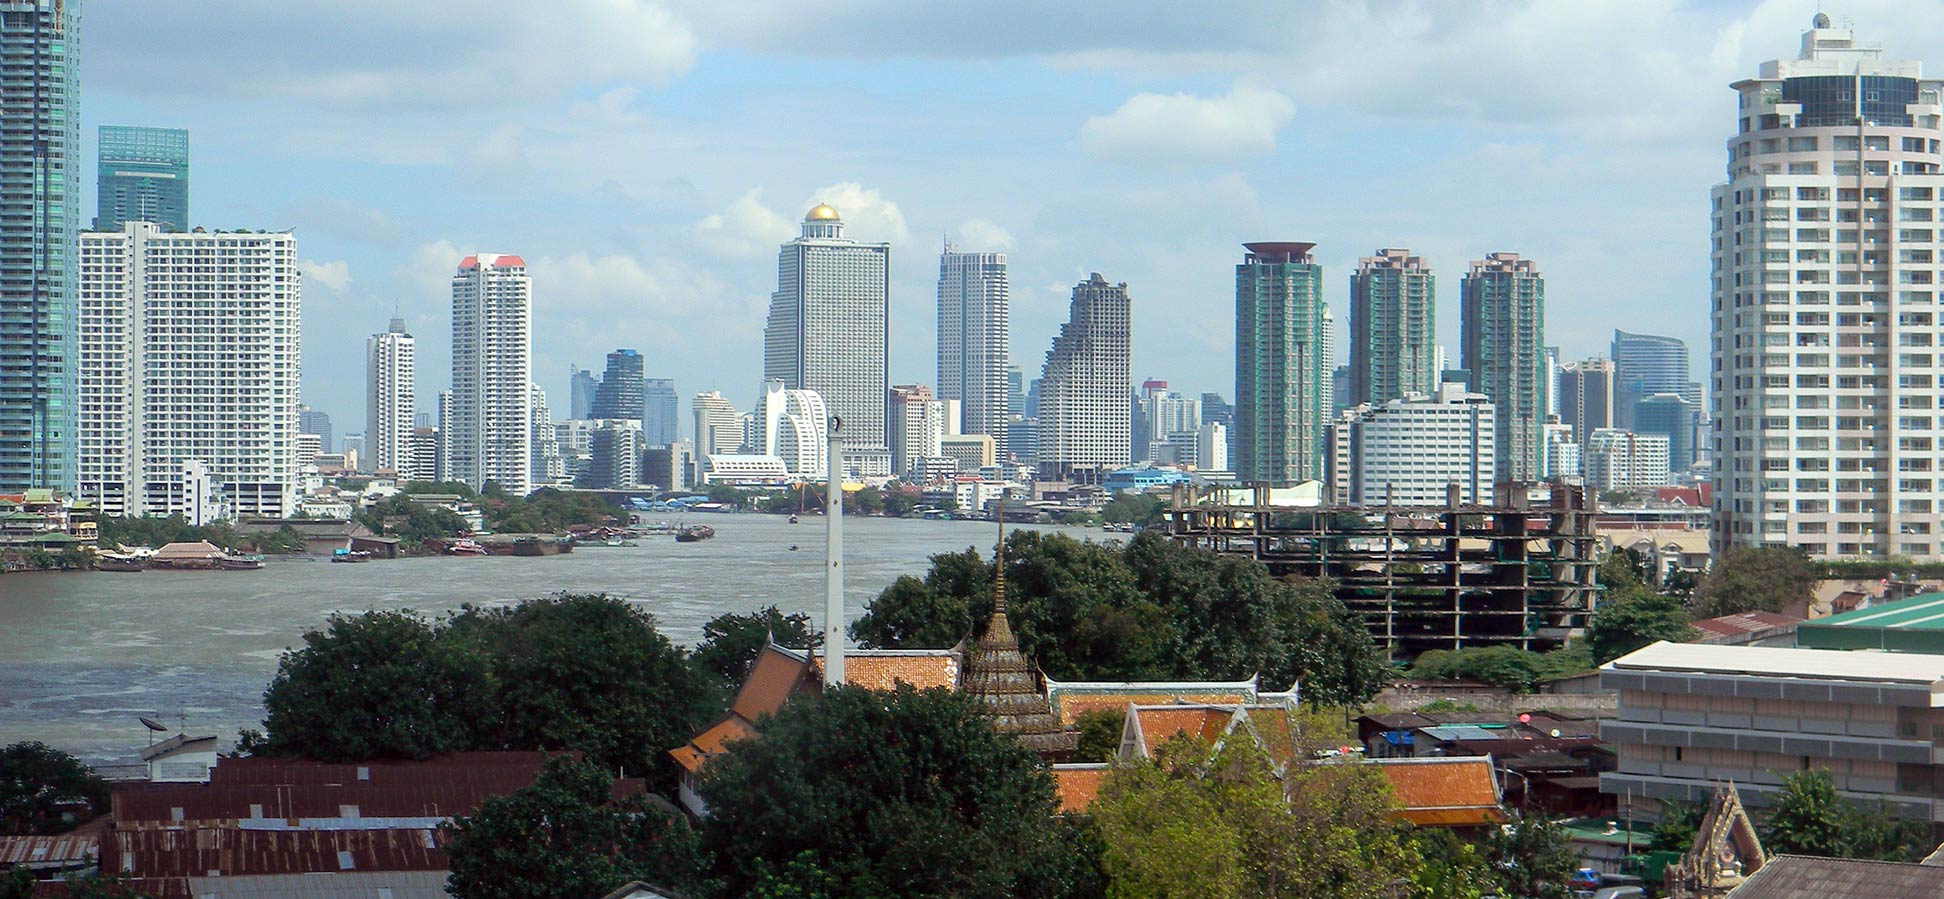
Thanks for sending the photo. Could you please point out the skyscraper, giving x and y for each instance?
(1282, 374)
(312, 421)
(545, 463)
(193, 347)
(581, 387)
(1086, 381)
(619, 396)
(974, 335)
(661, 412)
(718, 426)
(1668, 415)
(1644, 365)
(828, 322)
(1393, 328)
(142, 176)
(915, 425)
(1825, 388)
(389, 400)
(490, 438)
(1586, 397)
(1504, 329)
(40, 192)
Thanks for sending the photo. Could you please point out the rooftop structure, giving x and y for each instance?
(1805, 877)
(1445, 792)
(1911, 625)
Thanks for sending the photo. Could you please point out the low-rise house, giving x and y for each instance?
(1548, 761)
(181, 759)
(1455, 793)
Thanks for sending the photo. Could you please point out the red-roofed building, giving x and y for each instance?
(1445, 792)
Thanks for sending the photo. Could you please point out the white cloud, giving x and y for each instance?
(745, 229)
(335, 275)
(867, 214)
(1183, 128)
(980, 235)
(430, 269)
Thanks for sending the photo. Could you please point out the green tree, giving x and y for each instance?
(591, 673)
(1533, 857)
(1100, 733)
(1133, 508)
(1675, 830)
(731, 642)
(1755, 578)
(1452, 867)
(563, 837)
(1634, 618)
(1810, 818)
(911, 614)
(44, 790)
(378, 685)
(932, 803)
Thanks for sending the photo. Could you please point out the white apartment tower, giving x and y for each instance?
(1622, 460)
(388, 401)
(491, 434)
(190, 346)
(718, 426)
(1825, 315)
(1413, 451)
(1086, 380)
(915, 426)
(828, 320)
(973, 339)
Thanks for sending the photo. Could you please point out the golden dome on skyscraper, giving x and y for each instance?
(822, 212)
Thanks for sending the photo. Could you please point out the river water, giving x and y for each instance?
(81, 655)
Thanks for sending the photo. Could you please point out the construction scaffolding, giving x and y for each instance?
(1424, 578)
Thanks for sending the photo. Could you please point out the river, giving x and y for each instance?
(83, 654)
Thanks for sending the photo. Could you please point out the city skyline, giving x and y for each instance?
(626, 255)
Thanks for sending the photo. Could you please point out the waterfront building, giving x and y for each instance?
(544, 452)
(142, 175)
(669, 466)
(581, 388)
(491, 433)
(718, 427)
(312, 421)
(795, 429)
(388, 400)
(40, 196)
(1412, 451)
(1586, 396)
(1825, 283)
(1393, 328)
(614, 455)
(972, 452)
(1645, 365)
(1281, 366)
(974, 340)
(424, 456)
(828, 321)
(1086, 381)
(915, 423)
(1504, 329)
(1672, 416)
(193, 346)
(619, 394)
(661, 412)
(1622, 460)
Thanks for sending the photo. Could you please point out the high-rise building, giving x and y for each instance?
(1168, 418)
(1282, 372)
(581, 388)
(1622, 460)
(1644, 365)
(661, 412)
(718, 426)
(142, 176)
(795, 428)
(491, 436)
(1586, 397)
(1825, 388)
(1086, 380)
(1504, 329)
(828, 320)
(1393, 328)
(445, 436)
(1216, 410)
(1412, 451)
(424, 453)
(974, 339)
(1669, 415)
(546, 465)
(619, 395)
(1553, 393)
(1015, 390)
(40, 196)
(1140, 433)
(388, 400)
(614, 455)
(914, 425)
(1211, 447)
(193, 349)
(312, 421)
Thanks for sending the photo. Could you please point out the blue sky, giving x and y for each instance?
(647, 157)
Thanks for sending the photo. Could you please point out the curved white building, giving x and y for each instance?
(795, 429)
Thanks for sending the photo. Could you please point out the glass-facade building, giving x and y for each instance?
(142, 176)
(39, 131)
(618, 397)
(1393, 328)
(1504, 330)
(661, 412)
(1647, 364)
(1282, 371)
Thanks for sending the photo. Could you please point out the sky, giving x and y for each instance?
(646, 158)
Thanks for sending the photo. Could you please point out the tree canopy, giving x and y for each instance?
(44, 790)
(1810, 818)
(932, 803)
(731, 642)
(1631, 619)
(1755, 578)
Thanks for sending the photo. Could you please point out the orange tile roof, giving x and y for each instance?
(771, 680)
(1077, 785)
(1445, 792)
(1275, 733)
(1071, 706)
(886, 671)
(1160, 723)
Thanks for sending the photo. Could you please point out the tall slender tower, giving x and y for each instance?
(1393, 328)
(828, 324)
(618, 397)
(40, 193)
(974, 334)
(1825, 323)
(492, 427)
(1086, 381)
(1282, 376)
(142, 175)
(389, 401)
(1645, 365)
(661, 412)
(1504, 330)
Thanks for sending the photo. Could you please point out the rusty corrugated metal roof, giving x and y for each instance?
(212, 851)
(47, 850)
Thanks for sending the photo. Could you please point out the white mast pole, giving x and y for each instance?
(834, 559)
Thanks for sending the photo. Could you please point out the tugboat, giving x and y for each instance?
(694, 533)
(465, 546)
(239, 562)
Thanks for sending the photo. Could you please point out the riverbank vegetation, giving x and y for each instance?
(155, 532)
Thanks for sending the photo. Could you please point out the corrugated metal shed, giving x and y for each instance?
(48, 851)
(207, 851)
(351, 885)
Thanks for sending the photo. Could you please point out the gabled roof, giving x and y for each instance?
(885, 669)
(638, 890)
(1150, 727)
(1071, 699)
(1803, 877)
(1078, 784)
(179, 743)
(200, 549)
(1445, 792)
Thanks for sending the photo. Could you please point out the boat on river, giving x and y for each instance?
(108, 561)
(350, 555)
(465, 547)
(241, 562)
(694, 533)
